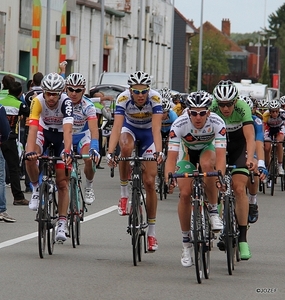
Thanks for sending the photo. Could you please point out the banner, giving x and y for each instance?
(275, 80)
(36, 31)
(62, 39)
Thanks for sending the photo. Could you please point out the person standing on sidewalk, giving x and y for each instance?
(14, 108)
(4, 134)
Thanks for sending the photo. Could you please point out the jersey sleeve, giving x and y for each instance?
(35, 112)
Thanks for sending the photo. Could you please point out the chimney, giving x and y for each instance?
(226, 27)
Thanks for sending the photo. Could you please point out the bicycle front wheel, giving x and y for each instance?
(197, 239)
(42, 219)
(72, 212)
(52, 217)
(207, 242)
(135, 227)
(228, 230)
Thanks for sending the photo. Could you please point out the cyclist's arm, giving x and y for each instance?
(221, 159)
(93, 127)
(170, 163)
(156, 131)
(116, 132)
(32, 137)
(249, 134)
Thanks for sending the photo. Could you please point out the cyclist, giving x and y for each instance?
(273, 120)
(254, 110)
(259, 141)
(240, 149)
(168, 117)
(51, 121)
(262, 105)
(138, 116)
(85, 129)
(201, 135)
(179, 102)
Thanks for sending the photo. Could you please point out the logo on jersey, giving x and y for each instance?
(172, 134)
(156, 99)
(122, 98)
(68, 107)
(223, 131)
(189, 138)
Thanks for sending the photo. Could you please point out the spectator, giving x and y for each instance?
(4, 133)
(14, 108)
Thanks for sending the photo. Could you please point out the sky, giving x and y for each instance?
(246, 16)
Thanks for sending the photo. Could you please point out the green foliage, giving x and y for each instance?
(214, 60)
(265, 76)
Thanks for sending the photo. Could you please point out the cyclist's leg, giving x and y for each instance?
(126, 143)
(280, 138)
(267, 148)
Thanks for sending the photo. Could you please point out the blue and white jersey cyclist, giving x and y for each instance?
(85, 129)
(51, 121)
(138, 116)
(168, 117)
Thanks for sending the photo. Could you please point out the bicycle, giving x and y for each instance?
(230, 233)
(137, 221)
(273, 166)
(201, 231)
(47, 209)
(162, 186)
(77, 206)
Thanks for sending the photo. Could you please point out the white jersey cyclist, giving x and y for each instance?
(183, 130)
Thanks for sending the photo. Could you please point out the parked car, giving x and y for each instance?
(114, 78)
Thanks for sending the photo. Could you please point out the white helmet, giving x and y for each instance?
(246, 99)
(139, 77)
(282, 100)
(165, 104)
(199, 99)
(263, 103)
(274, 104)
(53, 82)
(75, 79)
(225, 91)
(165, 93)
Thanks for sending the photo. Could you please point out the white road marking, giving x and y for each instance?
(35, 234)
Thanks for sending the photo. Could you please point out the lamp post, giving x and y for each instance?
(199, 80)
(268, 48)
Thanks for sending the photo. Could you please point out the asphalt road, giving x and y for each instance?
(101, 267)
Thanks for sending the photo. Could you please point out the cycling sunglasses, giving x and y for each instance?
(201, 113)
(227, 104)
(49, 94)
(137, 92)
(79, 90)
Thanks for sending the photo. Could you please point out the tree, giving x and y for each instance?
(265, 76)
(214, 60)
(277, 28)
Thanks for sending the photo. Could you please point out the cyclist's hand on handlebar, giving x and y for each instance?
(263, 173)
(159, 156)
(221, 185)
(31, 156)
(171, 184)
(67, 157)
(110, 160)
(94, 155)
(251, 165)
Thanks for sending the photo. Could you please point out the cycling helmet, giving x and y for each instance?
(176, 97)
(53, 82)
(165, 93)
(199, 99)
(139, 77)
(75, 79)
(282, 100)
(254, 101)
(274, 104)
(263, 103)
(225, 91)
(165, 105)
(247, 100)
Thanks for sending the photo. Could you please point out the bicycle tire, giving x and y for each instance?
(197, 238)
(80, 214)
(160, 182)
(52, 217)
(272, 168)
(228, 230)
(42, 219)
(134, 222)
(207, 243)
(72, 212)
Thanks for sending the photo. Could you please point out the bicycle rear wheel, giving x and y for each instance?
(197, 238)
(52, 217)
(207, 242)
(42, 219)
(228, 230)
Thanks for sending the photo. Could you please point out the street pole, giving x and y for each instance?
(101, 56)
(199, 80)
(258, 57)
(47, 58)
